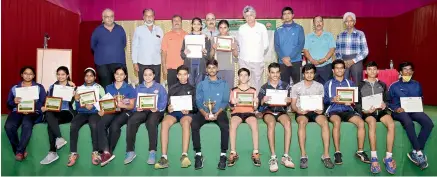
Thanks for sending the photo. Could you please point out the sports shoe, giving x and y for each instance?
(421, 162)
(185, 161)
(362, 156)
(287, 162)
(390, 165)
(130, 156)
(51, 157)
(374, 166)
(222, 163)
(256, 159)
(413, 157)
(152, 156)
(20, 156)
(60, 142)
(233, 157)
(72, 159)
(162, 163)
(106, 158)
(198, 162)
(328, 163)
(337, 158)
(304, 162)
(273, 162)
(95, 158)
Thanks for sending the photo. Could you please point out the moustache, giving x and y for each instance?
(211, 23)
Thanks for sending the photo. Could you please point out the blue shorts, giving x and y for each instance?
(178, 115)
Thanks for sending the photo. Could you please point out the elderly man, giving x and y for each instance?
(146, 46)
(108, 42)
(319, 48)
(352, 48)
(171, 50)
(254, 42)
(210, 30)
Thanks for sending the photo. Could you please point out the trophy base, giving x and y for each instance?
(211, 116)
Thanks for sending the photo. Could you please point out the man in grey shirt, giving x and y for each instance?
(211, 30)
(146, 46)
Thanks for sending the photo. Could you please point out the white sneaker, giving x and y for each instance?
(51, 157)
(286, 161)
(273, 162)
(60, 142)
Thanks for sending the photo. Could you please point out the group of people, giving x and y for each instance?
(210, 79)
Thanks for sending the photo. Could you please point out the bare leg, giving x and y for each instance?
(286, 123)
(361, 131)
(253, 124)
(371, 121)
(235, 122)
(165, 127)
(336, 120)
(302, 122)
(323, 122)
(271, 123)
(387, 120)
(186, 127)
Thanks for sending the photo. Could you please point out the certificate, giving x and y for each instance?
(108, 106)
(26, 106)
(311, 102)
(374, 101)
(355, 92)
(224, 44)
(245, 99)
(53, 104)
(27, 93)
(195, 50)
(148, 102)
(346, 95)
(65, 92)
(277, 97)
(412, 104)
(87, 98)
(195, 39)
(180, 103)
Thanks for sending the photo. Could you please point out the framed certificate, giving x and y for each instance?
(53, 104)
(108, 106)
(412, 104)
(26, 106)
(224, 44)
(87, 98)
(195, 50)
(147, 102)
(245, 99)
(346, 95)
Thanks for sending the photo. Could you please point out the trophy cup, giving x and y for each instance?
(118, 98)
(210, 105)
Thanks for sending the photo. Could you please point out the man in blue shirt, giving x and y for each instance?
(406, 87)
(289, 42)
(108, 42)
(211, 91)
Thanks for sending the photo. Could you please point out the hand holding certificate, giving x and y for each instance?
(412, 104)
(181, 103)
(311, 102)
(53, 104)
(277, 97)
(372, 101)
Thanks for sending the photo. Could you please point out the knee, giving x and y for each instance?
(302, 123)
(114, 128)
(360, 125)
(271, 125)
(9, 127)
(372, 124)
(429, 125)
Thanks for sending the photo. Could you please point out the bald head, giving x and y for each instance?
(108, 17)
(210, 21)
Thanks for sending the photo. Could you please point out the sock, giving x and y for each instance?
(233, 152)
(285, 155)
(337, 152)
(255, 151)
(304, 157)
(273, 157)
(323, 157)
(185, 154)
(373, 154)
(414, 151)
(165, 156)
(222, 154)
(419, 153)
(359, 151)
(199, 153)
(388, 155)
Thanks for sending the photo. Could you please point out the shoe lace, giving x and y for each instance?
(255, 156)
(72, 157)
(273, 161)
(303, 160)
(287, 159)
(420, 159)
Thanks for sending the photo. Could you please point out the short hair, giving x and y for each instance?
(405, 64)
(149, 9)
(223, 22)
(371, 64)
(176, 16)
(211, 62)
(287, 8)
(106, 10)
(338, 61)
(243, 70)
(196, 19)
(308, 67)
(182, 68)
(149, 68)
(248, 9)
(354, 17)
(314, 18)
(274, 65)
(122, 68)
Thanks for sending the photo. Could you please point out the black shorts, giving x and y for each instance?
(345, 116)
(311, 116)
(377, 115)
(178, 115)
(243, 116)
(276, 114)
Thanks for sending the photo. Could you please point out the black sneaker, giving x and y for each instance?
(328, 163)
(304, 162)
(338, 160)
(362, 156)
(198, 163)
(222, 163)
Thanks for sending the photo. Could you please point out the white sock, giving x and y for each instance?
(304, 157)
(255, 151)
(199, 153)
(185, 154)
(360, 151)
(373, 154)
(419, 153)
(414, 151)
(222, 154)
(233, 152)
(273, 156)
(285, 155)
(388, 155)
(165, 156)
(323, 157)
(337, 152)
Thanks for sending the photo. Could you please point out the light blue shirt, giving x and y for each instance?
(318, 46)
(146, 45)
(209, 33)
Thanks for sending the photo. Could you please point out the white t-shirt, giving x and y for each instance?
(253, 42)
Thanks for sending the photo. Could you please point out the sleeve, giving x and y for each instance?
(135, 45)
(326, 99)
(293, 92)
(231, 96)
(331, 41)
(195, 108)
(306, 45)
(199, 97)
(123, 37)
(420, 89)
(10, 102)
(164, 44)
(337, 46)
(94, 40)
(50, 91)
(364, 50)
(208, 49)
(102, 92)
(394, 100)
(132, 93)
(300, 44)
(225, 100)
(183, 56)
(162, 99)
(384, 93)
(42, 98)
(265, 39)
(261, 94)
(278, 45)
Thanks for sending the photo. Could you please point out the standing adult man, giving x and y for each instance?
(171, 50)
(211, 30)
(289, 42)
(108, 42)
(146, 46)
(352, 48)
(254, 42)
(319, 48)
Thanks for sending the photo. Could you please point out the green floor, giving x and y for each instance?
(210, 136)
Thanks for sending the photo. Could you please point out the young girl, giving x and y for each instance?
(225, 59)
(55, 118)
(87, 114)
(197, 65)
(115, 121)
(241, 114)
(150, 117)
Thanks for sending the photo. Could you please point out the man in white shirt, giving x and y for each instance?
(254, 43)
(146, 46)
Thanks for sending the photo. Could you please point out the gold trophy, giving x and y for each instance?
(118, 98)
(210, 105)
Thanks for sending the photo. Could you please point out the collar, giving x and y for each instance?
(402, 81)
(209, 79)
(353, 31)
(279, 83)
(20, 84)
(292, 24)
(84, 84)
(335, 80)
(144, 84)
(314, 33)
(207, 30)
(124, 85)
(103, 25)
(366, 80)
(57, 83)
